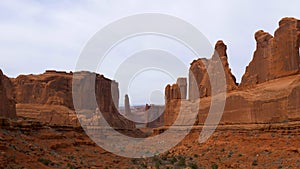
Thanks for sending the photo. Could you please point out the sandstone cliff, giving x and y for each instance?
(7, 104)
(269, 91)
(199, 82)
(276, 56)
(48, 98)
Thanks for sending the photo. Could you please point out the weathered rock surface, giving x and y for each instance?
(276, 56)
(127, 106)
(269, 91)
(199, 80)
(270, 102)
(7, 104)
(48, 98)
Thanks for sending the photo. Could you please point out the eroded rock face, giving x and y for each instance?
(7, 104)
(127, 106)
(48, 98)
(276, 56)
(182, 84)
(199, 80)
(271, 102)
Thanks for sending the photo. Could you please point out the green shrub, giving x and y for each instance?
(44, 161)
(214, 166)
(193, 165)
(173, 160)
(181, 162)
(254, 163)
(70, 166)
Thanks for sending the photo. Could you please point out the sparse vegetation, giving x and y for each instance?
(181, 161)
(254, 163)
(214, 166)
(44, 161)
(173, 160)
(70, 166)
(230, 154)
(193, 166)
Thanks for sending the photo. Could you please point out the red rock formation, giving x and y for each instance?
(274, 101)
(48, 98)
(176, 91)
(276, 56)
(127, 106)
(7, 105)
(199, 81)
(182, 84)
(172, 101)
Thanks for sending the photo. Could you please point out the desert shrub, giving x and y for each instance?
(214, 166)
(173, 160)
(230, 154)
(70, 166)
(44, 161)
(193, 165)
(254, 163)
(181, 162)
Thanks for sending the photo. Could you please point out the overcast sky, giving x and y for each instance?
(38, 35)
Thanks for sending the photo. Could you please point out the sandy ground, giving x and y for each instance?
(27, 145)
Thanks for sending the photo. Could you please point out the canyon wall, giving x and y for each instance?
(269, 91)
(7, 104)
(48, 97)
(276, 56)
(199, 80)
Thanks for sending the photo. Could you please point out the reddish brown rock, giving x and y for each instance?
(276, 56)
(275, 67)
(276, 101)
(177, 90)
(48, 98)
(127, 106)
(199, 80)
(7, 105)
(182, 84)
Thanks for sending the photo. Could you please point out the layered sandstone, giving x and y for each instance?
(48, 98)
(199, 79)
(276, 101)
(275, 57)
(7, 104)
(270, 102)
(173, 98)
(269, 91)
